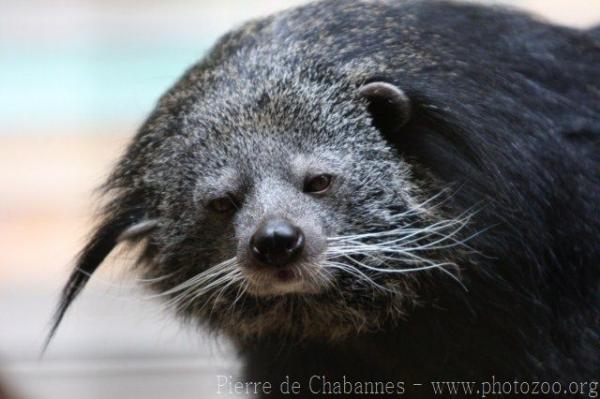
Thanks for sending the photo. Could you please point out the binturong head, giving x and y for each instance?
(267, 199)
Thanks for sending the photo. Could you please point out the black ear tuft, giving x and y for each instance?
(107, 236)
(389, 106)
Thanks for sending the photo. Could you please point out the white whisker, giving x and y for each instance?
(380, 251)
(200, 278)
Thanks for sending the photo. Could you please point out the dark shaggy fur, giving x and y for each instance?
(505, 112)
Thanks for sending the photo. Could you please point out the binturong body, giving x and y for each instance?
(381, 190)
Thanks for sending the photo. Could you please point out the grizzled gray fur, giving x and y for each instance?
(386, 190)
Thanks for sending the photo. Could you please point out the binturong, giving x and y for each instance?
(375, 190)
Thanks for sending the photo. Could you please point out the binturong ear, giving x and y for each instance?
(389, 106)
(137, 230)
(120, 227)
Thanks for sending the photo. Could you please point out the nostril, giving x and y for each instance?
(277, 242)
(296, 241)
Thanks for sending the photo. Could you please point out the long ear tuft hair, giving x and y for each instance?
(106, 237)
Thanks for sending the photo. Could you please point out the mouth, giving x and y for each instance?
(291, 279)
(285, 276)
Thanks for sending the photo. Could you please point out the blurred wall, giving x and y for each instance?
(92, 66)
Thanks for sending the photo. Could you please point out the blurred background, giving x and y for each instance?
(77, 77)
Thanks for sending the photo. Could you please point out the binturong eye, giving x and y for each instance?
(318, 184)
(222, 204)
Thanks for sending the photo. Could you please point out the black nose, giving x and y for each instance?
(277, 242)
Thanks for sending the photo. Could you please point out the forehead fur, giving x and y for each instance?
(248, 114)
(250, 99)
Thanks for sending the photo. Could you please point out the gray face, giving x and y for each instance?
(284, 211)
(277, 199)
